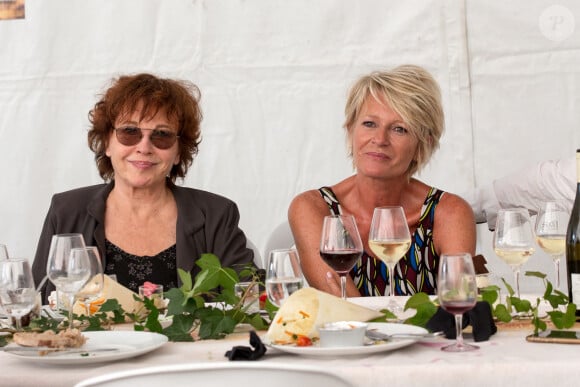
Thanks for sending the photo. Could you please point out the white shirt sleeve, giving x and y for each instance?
(528, 188)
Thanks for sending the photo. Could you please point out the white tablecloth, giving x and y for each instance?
(507, 359)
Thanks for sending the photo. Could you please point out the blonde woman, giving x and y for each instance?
(394, 120)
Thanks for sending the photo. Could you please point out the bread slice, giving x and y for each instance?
(307, 309)
(69, 338)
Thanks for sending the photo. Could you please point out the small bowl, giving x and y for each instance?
(342, 334)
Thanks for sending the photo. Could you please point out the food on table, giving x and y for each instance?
(111, 289)
(69, 338)
(306, 310)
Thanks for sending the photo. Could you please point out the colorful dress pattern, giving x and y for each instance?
(415, 272)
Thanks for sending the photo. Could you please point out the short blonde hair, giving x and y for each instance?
(411, 92)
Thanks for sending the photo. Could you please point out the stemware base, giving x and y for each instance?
(393, 306)
(457, 347)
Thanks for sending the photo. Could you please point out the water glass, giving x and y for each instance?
(283, 275)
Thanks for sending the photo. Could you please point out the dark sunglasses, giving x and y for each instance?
(131, 135)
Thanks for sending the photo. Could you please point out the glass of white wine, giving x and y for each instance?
(389, 240)
(550, 228)
(513, 240)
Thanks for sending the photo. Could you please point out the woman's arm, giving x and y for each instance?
(454, 228)
(306, 214)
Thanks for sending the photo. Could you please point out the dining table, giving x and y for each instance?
(507, 358)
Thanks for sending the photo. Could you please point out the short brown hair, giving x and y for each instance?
(180, 99)
(411, 92)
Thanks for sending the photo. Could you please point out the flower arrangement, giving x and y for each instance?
(562, 314)
(189, 314)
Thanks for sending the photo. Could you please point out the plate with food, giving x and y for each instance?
(315, 349)
(75, 348)
(296, 326)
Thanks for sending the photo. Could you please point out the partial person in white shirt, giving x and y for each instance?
(528, 188)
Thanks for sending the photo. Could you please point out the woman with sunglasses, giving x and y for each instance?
(145, 132)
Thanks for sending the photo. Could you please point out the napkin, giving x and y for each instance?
(241, 352)
(113, 289)
(480, 319)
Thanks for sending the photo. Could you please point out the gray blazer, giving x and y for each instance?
(206, 223)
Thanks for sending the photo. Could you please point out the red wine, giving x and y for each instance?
(341, 260)
(457, 307)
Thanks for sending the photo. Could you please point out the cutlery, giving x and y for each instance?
(58, 351)
(376, 335)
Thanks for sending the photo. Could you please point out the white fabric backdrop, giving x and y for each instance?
(274, 75)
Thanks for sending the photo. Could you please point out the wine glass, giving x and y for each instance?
(3, 252)
(17, 291)
(513, 240)
(389, 240)
(60, 247)
(70, 273)
(457, 293)
(283, 275)
(340, 245)
(94, 287)
(551, 226)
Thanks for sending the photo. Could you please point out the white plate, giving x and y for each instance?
(129, 344)
(389, 328)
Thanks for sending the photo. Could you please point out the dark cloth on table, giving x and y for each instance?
(480, 319)
(206, 223)
(241, 352)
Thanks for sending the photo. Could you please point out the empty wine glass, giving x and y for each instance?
(283, 275)
(513, 240)
(60, 247)
(457, 293)
(69, 274)
(389, 240)
(551, 226)
(3, 252)
(340, 245)
(94, 287)
(17, 291)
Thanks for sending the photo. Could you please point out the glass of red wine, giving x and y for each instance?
(340, 245)
(457, 293)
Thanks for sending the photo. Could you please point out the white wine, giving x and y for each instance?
(555, 245)
(573, 245)
(390, 251)
(514, 256)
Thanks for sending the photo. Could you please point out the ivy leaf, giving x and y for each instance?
(185, 278)
(508, 287)
(535, 274)
(180, 328)
(520, 305)
(490, 294)
(424, 306)
(213, 275)
(564, 320)
(502, 313)
(214, 324)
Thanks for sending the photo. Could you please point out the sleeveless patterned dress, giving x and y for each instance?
(415, 272)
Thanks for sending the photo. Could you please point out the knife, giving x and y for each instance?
(57, 351)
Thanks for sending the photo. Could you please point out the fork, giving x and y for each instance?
(373, 334)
